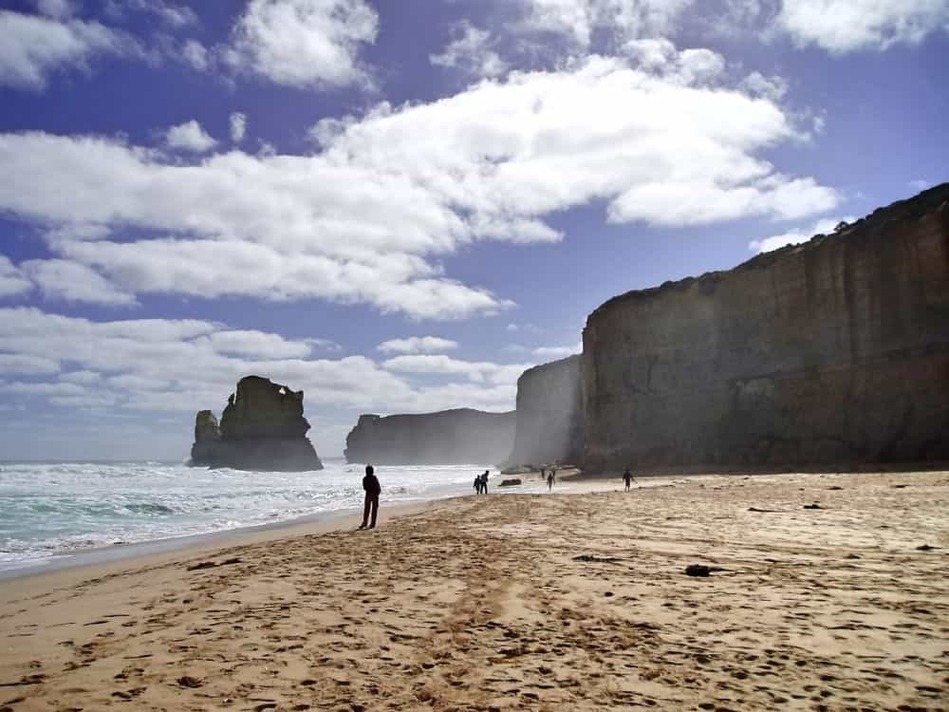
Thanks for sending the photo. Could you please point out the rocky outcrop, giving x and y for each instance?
(833, 352)
(462, 436)
(549, 415)
(262, 428)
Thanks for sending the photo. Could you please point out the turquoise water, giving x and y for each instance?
(51, 510)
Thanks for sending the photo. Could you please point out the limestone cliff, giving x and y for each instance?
(462, 436)
(832, 352)
(549, 415)
(262, 428)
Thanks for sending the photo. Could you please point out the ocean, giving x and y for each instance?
(49, 511)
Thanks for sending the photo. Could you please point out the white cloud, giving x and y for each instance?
(305, 43)
(195, 54)
(174, 15)
(792, 237)
(12, 279)
(557, 352)
(477, 371)
(417, 345)
(918, 185)
(841, 26)
(366, 219)
(238, 126)
(773, 87)
(75, 282)
(186, 365)
(27, 364)
(472, 52)
(189, 136)
(55, 8)
(33, 47)
(579, 20)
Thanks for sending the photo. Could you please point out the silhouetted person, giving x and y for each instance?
(372, 488)
(543, 471)
(477, 484)
(627, 478)
(550, 480)
(484, 482)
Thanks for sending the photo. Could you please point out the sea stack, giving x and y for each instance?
(833, 353)
(262, 428)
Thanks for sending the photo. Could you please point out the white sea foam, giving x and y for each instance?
(54, 509)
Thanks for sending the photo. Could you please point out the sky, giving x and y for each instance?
(400, 206)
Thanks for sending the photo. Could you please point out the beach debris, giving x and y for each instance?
(201, 565)
(756, 509)
(188, 681)
(702, 570)
(511, 482)
(926, 547)
(212, 564)
(812, 506)
(593, 559)
(34, 679)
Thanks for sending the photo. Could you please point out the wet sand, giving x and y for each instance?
(572, 600)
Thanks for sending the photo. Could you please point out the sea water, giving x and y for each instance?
(52, 510)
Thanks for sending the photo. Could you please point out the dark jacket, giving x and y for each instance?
(370, 483)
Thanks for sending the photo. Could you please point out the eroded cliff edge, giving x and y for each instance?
(461, 436)
(262, 428)
(549, 415)
(831, 352)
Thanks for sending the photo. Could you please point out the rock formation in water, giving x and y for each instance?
(549, 415)
(462, 436)
(834, 352)
(262, 428)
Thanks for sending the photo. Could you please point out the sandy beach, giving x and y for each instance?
(572, 600)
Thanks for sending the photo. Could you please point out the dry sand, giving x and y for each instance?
(563, 601)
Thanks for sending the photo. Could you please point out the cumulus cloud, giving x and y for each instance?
(579, 20)
(189, 136)
(305, 43)
(417, 345)
(798, 235)
(195, 55)
(12, 280)
(555, 352)
(478, 371)
(185, 365)
(841, 26)
(238, 126)
(471, 51)
(33, 47)
(365, 219)
(74, 282)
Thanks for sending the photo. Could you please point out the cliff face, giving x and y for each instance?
(835, 351)
(262, 428)
(462, 436)
(549, 415)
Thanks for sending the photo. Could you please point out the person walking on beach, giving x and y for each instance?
(484, 482)
(477, 484)
(370, 484)
(627, 478)
(550, 480)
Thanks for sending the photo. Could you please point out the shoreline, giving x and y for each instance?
(825, 590)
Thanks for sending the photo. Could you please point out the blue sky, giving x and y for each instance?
(400, 206)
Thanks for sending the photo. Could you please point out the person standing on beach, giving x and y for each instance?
(627, 478)
(372, 488)
(550, 481)
(477, 484)
(484, 482)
